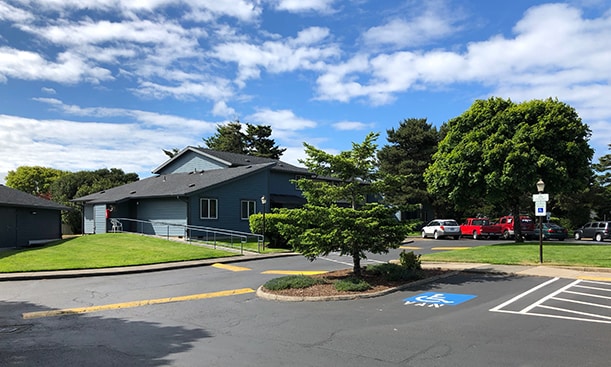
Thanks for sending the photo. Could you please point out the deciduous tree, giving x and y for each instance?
(35, 180)
(497, 150)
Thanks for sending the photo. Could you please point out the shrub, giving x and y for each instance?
(410, 261)
(393, 272)
(272, 235)
(292, 281)
(352, 284)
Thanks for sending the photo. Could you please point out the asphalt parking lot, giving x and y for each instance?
(467, 319)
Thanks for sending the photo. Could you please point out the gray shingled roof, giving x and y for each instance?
(16, 198)
(176, 184)
(237, 160)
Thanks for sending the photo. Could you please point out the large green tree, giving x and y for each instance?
(404, 160)
(497, 150)
(228, 138)
(601, 190)
(259, 143)
(35, 180)
(255, 141)
(338, 216)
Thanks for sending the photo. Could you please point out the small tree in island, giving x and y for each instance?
(338, 215)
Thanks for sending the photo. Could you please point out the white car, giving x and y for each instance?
(441, 228)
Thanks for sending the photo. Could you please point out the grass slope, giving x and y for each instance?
(102, 251)
(554, 253)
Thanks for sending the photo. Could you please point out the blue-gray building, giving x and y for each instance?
(196, 187)
(27, 220)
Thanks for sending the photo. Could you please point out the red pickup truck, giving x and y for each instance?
(527, 226)
(480, 227)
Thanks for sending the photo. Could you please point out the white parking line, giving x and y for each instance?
(589, 300)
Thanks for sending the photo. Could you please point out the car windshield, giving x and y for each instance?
(450, 223)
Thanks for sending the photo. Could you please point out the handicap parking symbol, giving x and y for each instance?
(436, 300)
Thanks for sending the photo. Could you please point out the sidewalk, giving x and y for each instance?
(601, 274)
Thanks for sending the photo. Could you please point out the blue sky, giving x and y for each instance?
(89, 84)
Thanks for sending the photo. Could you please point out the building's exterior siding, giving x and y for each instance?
(162, 212)
(190, 162)
(88, 222)
(230, 197)
(99, 218)
(38, 224)
(23, 226)
(8, 227)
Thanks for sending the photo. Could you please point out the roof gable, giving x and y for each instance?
(209, 159)
(172, 185)
(13, 197)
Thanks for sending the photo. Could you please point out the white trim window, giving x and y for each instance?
(208, 208)
(248, 208)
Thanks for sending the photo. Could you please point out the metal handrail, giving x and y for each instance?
(208, 231)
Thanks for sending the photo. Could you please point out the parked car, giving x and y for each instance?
(441, 228)
(598, 231)
(552, 231)
(480, 227)
(527, 226)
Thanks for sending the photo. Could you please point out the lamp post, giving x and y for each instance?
(540, 211)
(263, 201)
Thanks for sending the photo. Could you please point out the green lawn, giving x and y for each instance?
(554, 253)
(101, 251)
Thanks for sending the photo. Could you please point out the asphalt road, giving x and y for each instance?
(210, 316)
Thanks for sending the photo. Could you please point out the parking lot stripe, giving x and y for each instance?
(295, 272)
(501, 306)
(601, 279)
(449, 248)
(115, 306)
(410, 247)
(230, 267)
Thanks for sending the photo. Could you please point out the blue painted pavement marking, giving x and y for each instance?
(433, 299)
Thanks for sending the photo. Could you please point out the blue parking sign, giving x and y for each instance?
(441, 299)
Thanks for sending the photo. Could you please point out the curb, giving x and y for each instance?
(60, 274)
(261, 293)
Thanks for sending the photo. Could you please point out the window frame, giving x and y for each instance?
(248, 211)
(209, 201)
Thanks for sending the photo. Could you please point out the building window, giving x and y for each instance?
(208, 208)
(248, 208)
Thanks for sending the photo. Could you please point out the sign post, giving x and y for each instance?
(540, 201)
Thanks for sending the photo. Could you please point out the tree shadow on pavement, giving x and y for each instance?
(86, 340)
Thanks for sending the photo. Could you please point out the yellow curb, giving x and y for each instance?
(230, 267)
(115, 306)
(295, 272)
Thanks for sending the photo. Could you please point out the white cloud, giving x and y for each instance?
(305, 52)
(433, 24)
(298, 6)
(69, 68)
(282, 120)
(351, 125)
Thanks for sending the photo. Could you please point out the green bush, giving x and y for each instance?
(410, 261)
(292, 281)
(272, 235)
(393, 272)
(352, 284)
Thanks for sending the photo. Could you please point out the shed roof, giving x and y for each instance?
(172, 185)
(17, 198)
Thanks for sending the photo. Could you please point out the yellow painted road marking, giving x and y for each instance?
(602, 279)
(449, 248)
(230, 267)
(411, 247)
(115, 306)
(295, 272)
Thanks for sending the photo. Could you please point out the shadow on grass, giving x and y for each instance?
(79, 340)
